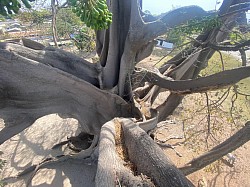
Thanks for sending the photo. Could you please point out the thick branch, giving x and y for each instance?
(145, 51)
(229, 48)
(110, 169)
(232, 143)
(29, 90)
(56, 58)
(203, 84)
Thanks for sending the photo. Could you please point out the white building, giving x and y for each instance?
(164, 44)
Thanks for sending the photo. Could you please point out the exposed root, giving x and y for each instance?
(110, 169)
(149, 158)
(60, 144)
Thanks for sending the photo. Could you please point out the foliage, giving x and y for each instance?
(228, 110)
(12, 6)
(85, 39)
(178, 34)
(236, 36)
(94, 13)
(67, 22)
(35, 16)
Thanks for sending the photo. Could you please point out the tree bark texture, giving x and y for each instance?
(30, 90)
(150, 159)
(110, 170)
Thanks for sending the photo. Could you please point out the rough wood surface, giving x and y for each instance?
(30, 90)
(110, 168)
(57, 58)
(150, 159)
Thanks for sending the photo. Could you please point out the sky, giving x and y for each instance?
(160, 6)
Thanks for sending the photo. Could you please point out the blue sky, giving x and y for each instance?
(160, 6)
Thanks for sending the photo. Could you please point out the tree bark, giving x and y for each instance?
(58, 59)
(150, 159)
(54, 30)
(110, 170)
(29, 90)
(44, 80)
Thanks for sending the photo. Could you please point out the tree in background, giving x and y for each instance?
(34, 17)
(113, 96)
(67, 22)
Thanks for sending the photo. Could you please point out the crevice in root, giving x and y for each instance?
(112, 169)
(77, 143)
(121, 148)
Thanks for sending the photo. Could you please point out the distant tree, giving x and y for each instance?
(35, 17)
(67, 22)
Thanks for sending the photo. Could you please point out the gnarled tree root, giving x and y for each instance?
(110, 169)
(149, 158)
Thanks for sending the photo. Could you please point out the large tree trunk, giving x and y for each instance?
(44, 80)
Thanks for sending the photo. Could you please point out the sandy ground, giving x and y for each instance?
(222, 176)
(34, 144)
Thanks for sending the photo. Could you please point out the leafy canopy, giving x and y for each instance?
(94, 13)
(13, 6)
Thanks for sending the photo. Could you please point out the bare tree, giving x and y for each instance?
(35, 83)
(54, 29)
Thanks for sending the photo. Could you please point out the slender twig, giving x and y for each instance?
(171, 52)
(222, 61)
(233, 99)
(208, 115)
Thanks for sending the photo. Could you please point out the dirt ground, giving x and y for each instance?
(216, 175)
(34, 144)
(220, 175)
